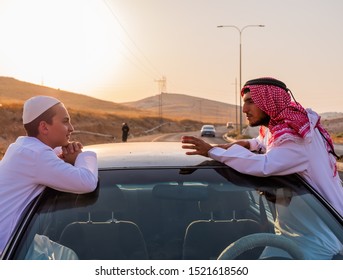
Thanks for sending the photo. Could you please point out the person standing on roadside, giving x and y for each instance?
(43, 158)
(125, 131)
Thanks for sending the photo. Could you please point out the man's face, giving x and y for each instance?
(254, 114)
(58, 133)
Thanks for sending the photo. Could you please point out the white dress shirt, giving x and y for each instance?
(28, 167)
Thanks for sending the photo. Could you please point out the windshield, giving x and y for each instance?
(189, 213)
(210, 127)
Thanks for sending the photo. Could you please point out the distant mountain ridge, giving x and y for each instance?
(331, 115)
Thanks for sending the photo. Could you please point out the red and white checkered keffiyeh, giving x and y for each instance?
(288, 120)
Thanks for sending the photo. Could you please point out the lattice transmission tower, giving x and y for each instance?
(162, 88)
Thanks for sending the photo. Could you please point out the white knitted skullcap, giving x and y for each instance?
(37, 105)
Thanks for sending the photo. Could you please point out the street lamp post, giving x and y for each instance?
(236, 104)
(240, 30)
(236, 108)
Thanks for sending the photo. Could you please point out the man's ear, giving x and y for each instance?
(43, 128)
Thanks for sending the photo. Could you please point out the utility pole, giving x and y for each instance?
(162, 87)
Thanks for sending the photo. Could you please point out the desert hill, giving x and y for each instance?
(13, 91)
(181, 106)
(174, 106)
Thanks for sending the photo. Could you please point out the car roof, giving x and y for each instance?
(143, 154)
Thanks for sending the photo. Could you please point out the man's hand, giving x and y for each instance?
(71, 151)
(243, 143)
(198, 146)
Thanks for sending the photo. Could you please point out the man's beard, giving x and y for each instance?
(263, 121)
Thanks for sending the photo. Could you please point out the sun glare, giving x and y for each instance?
(72, 45)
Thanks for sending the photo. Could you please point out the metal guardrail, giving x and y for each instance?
(157, 127)
(93, 133)
(111, 136)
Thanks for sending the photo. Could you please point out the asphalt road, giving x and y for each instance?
(171, 137)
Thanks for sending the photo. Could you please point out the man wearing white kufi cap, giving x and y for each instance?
(32, 162)
(36, 106)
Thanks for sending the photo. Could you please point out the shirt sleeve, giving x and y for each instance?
(254, 144)
(285, 159)
(55, 173)
(257, 145)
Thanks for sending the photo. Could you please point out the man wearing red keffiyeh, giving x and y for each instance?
(291, 140)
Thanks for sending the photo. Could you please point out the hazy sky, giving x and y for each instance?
(118, 50)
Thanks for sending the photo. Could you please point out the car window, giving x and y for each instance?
(173, 213)
(211, 127)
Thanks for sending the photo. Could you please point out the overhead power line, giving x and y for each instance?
(143, 66)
